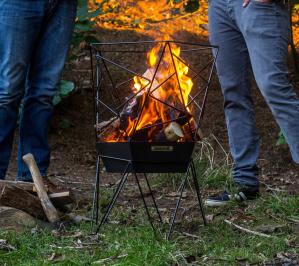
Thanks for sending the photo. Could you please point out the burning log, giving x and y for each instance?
(101, 126)
(108, 128)
(130, 111)
(173, 132)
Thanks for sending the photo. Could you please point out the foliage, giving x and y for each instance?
(65, 88)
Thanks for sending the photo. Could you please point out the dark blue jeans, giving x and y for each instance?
(255, 36)
(34, 40)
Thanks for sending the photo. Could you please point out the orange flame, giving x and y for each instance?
(164, 85)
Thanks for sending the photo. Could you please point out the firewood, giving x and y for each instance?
(149, 74)
(47, 205)
(130, 111)
(173, 132)
(28, 186)
(60, 199)
(107, 128)
(113, 122)
(17, 220)
(15, 197)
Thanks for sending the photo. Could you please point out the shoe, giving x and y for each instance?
(223, 198)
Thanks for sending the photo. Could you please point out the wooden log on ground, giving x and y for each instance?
(28, 186)
(12, 196)
(60, 199)
(17, 220)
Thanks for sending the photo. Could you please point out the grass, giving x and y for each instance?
(129, 240)
(136, 244)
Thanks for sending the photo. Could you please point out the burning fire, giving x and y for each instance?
(159, 99)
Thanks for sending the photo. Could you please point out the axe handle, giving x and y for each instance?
(41, 189)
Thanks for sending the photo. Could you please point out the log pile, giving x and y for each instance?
(32, 199)
(23, 196)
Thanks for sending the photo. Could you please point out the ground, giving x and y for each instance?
(128, 239)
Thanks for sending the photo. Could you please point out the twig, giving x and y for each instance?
(101, 261)
(66, 247)
(293, 220)
(187, 234)
(246, 230)
(268, 187)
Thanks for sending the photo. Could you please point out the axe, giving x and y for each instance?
(49, 209)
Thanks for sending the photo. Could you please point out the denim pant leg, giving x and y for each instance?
(19, 23)
(42, 81)
(233, 69)
(266, 30)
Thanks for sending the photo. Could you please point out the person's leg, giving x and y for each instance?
(266, 30)
(42, 81)
(19, 23)
(233, 69)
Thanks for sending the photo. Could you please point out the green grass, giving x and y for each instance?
(131, 241)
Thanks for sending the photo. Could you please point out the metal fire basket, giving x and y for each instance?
(130, 84)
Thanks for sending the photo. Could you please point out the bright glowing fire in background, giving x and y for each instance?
(157, 17)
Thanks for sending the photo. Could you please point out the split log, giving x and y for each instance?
(112, 122)
(106, 129)
(28, 186)
(173, 132)
(60, 199)
(130, 111)
(12, 196)
(17, 220)
(47, 205)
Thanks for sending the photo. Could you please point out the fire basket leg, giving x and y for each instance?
(95, 208)
(197, 189)
(144, 202)
(153, 198)
(115, 196)
(182, 188)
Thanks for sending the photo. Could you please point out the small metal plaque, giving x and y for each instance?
(162, 148)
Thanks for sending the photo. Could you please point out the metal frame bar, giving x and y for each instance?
(97, 80)
(190, 171)
(164, 44)
(123, 180)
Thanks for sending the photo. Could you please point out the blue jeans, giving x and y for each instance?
(255, 37)
(34, 41)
